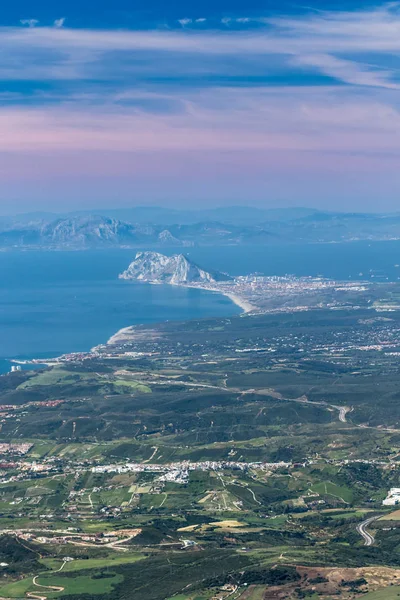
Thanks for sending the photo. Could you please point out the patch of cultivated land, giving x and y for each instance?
(393, 516)
(55, 376)
(332, 489)
(389, 593)
(92, 563)
(17, 589)
(240, 465)
(79, 584)
(134, 385)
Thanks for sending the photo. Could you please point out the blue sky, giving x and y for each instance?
(259, 103)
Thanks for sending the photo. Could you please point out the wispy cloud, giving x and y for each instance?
(58, 23)
(219, 119)
(29, 22)
(348, 71)
(300, 87)
(337, 44)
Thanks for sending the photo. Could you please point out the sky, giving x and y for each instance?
(197, 104)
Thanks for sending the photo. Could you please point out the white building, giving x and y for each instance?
(393, 497)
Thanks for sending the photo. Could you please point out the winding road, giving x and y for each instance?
(342, 410)
(362, 530)
(50, 588)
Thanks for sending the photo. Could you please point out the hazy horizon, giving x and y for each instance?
(108, 210)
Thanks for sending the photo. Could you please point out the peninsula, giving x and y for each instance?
(252, 293)
(156, 268)
(178, 269)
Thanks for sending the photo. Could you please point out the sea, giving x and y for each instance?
(53, 303)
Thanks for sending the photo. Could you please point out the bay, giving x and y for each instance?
(57, 302)
(60, 302)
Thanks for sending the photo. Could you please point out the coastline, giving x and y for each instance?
(240, 294)
(126, 333)
(246, 306)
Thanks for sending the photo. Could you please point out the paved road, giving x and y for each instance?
(343, 410)
(362, 530)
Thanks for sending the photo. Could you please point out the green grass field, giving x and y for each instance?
(388, 593)
(113, 497)
(331, 489)
(134, 385)
(17, 589)
(77, 584)
(55, 376)
(92, 563)
(71, 585)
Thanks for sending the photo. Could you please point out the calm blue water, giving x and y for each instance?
(52, 303)
(355, 260)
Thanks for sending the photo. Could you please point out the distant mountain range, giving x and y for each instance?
(152, 227)
(177, 269)
(87, 232)
(233, 215)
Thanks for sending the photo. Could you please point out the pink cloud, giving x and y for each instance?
(204, 138)
(211, 120)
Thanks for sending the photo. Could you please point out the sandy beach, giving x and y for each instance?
(128, 333)
(241, 302)
(245, 305)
